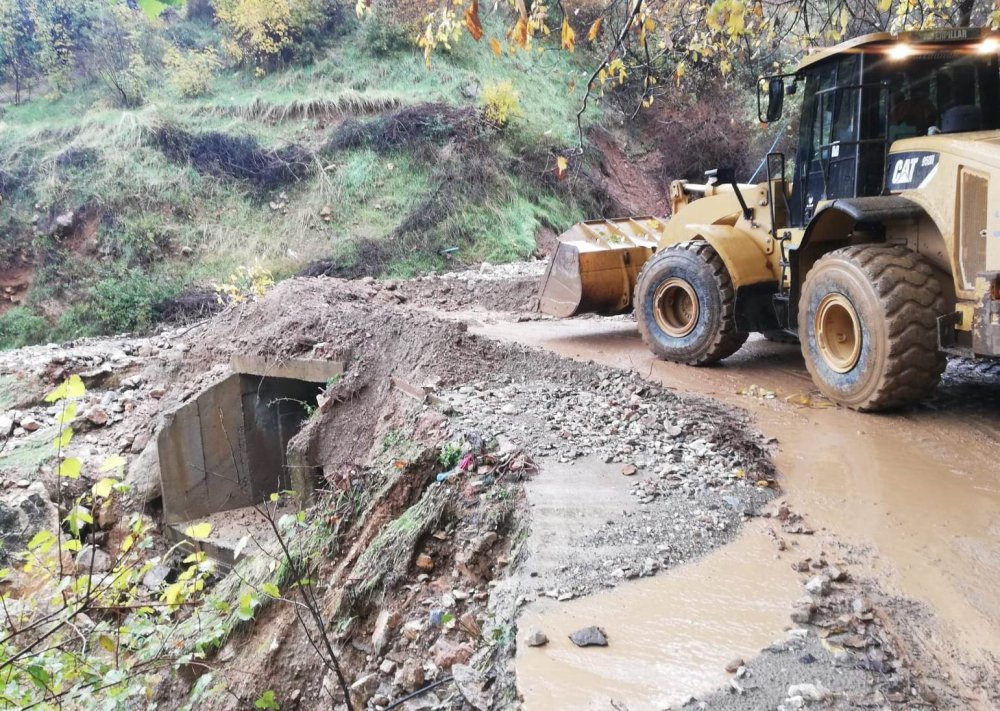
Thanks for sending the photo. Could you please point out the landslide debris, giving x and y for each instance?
(421, 451)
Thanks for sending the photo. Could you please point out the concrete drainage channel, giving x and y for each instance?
(227, 449)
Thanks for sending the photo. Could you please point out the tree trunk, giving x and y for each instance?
(965, 12)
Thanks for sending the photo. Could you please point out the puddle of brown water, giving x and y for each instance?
(669, 637)
(922, 489)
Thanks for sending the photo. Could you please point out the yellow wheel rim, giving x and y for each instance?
(675, 306)
(838, 333)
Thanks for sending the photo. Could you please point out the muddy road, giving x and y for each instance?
(913, 497)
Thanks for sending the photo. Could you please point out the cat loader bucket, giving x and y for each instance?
(595, 266)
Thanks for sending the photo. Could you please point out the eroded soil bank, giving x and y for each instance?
(470, 492)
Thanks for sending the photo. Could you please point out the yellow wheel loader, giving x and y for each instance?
(880, 254)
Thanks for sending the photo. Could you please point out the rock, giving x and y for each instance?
(107, 515)
(155, 577)
(836, 574)
(629, 470)
(63, 224)
(412, 629)
(30, 424)
(474, 687)
(92, 559)
(818, 585)
(803, 612)
(384, 624)
(509, 409)
(809, 692)
(143, 475)
(446, 652)
(387, 667)
(861, 605)
(97, 416)
(425, 562)
(589, 637)
(734, 665)
(536, 638)
(6, 426)
(158, 391)
(410, 676)
(364, 688)
(23, 512)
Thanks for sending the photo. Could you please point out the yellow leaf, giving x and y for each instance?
(472, 23)
(70, 388)
(64, 438)
(196, 557)
(103, 488)
(72, 545)
(594, 29)
(884, 5)
(106, 642)
(199, 530)
(495, 46)
(173, 594)
(568, 36)
(271, 589)
(70, 467)
(520, 33)
(561, 165)
(67, 414)
(115, 461)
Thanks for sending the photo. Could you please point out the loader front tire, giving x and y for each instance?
(868, 326)
(685, 305)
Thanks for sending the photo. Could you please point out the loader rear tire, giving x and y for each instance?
(685, 305)
(868, 326)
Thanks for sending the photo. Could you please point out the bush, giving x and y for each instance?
(126, 300)
(259, 33)
(21, 327)
(382, 33)
(410, 127)
(134, 241)
(191, 72)
(696, 133)
(235, 157)
(501, 103)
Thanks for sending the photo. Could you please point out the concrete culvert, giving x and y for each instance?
(226, 450)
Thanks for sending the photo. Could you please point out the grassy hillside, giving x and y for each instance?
(364, 159)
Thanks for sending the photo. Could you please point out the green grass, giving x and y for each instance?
(74, 151)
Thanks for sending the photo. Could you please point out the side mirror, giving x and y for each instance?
(775, 98)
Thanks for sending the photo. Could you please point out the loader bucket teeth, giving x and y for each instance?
(595, 266)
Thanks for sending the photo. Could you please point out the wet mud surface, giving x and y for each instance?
(913, 497)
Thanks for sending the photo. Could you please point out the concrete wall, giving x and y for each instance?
(227, 449)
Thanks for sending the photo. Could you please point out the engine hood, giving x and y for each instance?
(978, 146)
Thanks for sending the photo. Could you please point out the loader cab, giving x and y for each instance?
(861, 96)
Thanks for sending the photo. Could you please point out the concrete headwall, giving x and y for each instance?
(227, 448)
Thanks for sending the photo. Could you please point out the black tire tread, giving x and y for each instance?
(912, 296)
(729, 339)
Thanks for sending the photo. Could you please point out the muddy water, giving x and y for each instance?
(919, 491)
(670, 636)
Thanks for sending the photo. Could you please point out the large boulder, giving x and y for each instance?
(23, 513)
(143, 474)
